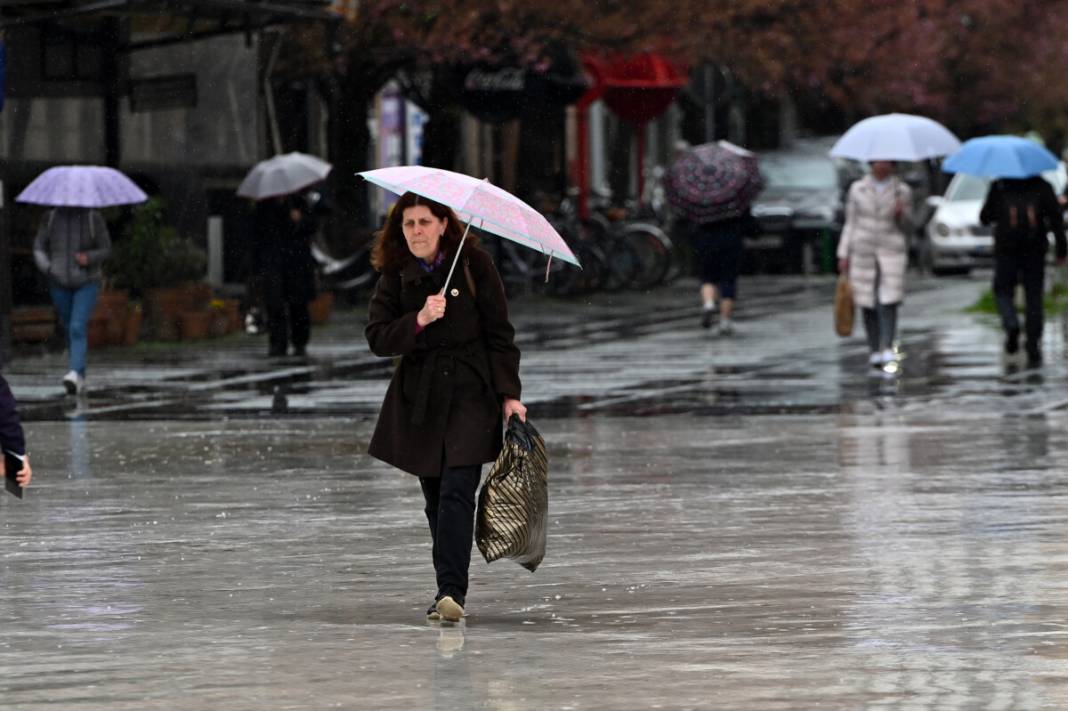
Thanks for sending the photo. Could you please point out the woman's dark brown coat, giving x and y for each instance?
(445, 396)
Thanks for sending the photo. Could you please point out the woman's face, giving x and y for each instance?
(422, 231)
(882, 168)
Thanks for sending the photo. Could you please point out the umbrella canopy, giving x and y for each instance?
(91, 186)
(1001, 157)
(713, 182)
(495, 210)
(283, 175)
(896, 137)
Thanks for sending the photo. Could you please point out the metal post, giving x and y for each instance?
(268, 95)
(581, 167)
(112, 86)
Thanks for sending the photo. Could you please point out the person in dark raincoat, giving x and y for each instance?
(283, 261)
(457, 381)
(1023, 212)
(12, 440)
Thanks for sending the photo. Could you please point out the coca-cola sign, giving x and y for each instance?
(506, 79)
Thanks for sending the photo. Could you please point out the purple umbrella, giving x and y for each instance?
(713, 182)
(82, 186)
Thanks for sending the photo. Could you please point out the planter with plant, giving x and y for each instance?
(107, 325)
(161, 267)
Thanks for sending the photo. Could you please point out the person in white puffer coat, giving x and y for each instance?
(873, 250)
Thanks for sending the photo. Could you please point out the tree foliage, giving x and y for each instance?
(977, 65)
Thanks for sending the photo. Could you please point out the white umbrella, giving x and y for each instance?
(896, 137)
(282, 175)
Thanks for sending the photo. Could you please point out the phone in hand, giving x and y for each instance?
(12, 466)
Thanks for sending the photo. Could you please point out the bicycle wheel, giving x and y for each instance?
(518, 267)
(655, 253)
(594, 268)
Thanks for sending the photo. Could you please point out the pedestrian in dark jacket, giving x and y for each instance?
(12, 440)
(1023, 212)
(718, 248)
(457, 381)
(284, 263)
(70, 246)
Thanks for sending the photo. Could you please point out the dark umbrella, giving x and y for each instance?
(712, 182)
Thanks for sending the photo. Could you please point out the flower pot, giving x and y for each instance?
(232, 309)
(132, 332)
(220, 323)
(194, 325)
(162, 309)
(110, 312)
(319, 308)
(97, 334)
(33, 324)
(197, 295)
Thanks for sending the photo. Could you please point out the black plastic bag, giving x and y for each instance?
(513, 506)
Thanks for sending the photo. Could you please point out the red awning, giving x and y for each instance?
(641, 87)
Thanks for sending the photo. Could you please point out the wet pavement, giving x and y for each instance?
(627, 354)
(743, 523)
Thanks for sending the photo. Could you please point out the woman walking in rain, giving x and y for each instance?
(69, 248)
(457, 381)
(718, 248)
(873, 250)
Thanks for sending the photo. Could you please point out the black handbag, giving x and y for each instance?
(513, 506)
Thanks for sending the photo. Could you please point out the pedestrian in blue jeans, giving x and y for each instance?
(70, 246)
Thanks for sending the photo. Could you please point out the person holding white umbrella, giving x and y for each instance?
(282, 257)
(873, 248)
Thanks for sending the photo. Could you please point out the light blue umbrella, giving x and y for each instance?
(1000, 157)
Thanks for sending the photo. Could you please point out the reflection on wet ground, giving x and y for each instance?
(206, 531)
(897, 558)
(627, 354)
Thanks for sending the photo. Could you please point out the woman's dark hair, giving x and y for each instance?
(390, 251)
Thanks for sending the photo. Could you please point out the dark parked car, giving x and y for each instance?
(800, 212)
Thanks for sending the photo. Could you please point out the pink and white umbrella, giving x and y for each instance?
(92, 186)
(477, 201)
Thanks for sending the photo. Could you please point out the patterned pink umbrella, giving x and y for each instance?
(92, 186)
(479, 202)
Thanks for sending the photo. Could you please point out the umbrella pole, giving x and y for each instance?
(456, 258)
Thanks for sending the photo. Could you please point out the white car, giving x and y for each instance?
(955, 241)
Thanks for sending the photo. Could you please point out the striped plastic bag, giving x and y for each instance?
(513, 506)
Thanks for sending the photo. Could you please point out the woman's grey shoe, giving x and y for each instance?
(449, 609)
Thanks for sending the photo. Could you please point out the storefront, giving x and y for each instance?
(168, 91)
